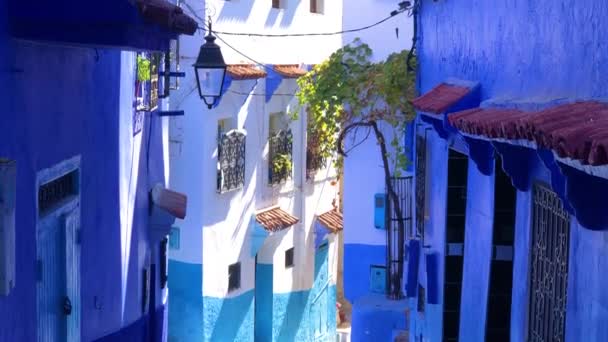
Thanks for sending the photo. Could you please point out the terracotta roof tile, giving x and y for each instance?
(577, 130)
(244, 72)
(290, 70)
(332, 220)
(440, 98)
(275, 219)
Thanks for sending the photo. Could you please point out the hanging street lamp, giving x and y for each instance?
(210, 70)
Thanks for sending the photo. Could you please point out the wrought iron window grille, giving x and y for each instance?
(280, 159)
(548, 267)
(395, 237)
(231, 161)
(315, 160)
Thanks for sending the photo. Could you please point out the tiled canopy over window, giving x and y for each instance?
(577, 130)
(275, 219)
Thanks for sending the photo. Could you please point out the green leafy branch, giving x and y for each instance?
(348, 92)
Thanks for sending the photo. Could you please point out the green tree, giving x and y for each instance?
(348, 92)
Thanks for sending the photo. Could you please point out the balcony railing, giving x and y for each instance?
(280, 161)
(231, 161)
(315, 161)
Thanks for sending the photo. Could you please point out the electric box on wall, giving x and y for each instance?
(380, 211)
(8, 179)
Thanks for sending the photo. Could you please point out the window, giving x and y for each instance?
(231, 157)
(422, 184)
(315, 160)
(280, 141)
(550, 247)
(234, 276)
(316, 6)
(174, 238)
(289, 258)
(277, 4)
(146, 81)
(53, 193)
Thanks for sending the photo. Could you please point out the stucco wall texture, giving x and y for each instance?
(65, 102)
(533, 51)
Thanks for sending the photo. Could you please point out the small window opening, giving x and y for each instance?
(234, 276)
(56, 191)
(277, 4)
(289, 258)
(316, 6)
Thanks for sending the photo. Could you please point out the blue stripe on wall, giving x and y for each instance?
(376, 318)
(357, 261)
(293, 318)
(263, 302)
(185, 301)
(229, 319)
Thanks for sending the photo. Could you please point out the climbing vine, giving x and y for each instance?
(349, 91)
(349, 95)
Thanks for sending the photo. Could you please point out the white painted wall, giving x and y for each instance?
(259, 17)
(383, 38)
(363, 171)
(215, 231)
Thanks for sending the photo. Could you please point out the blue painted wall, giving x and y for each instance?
(66, 102)
(515, 49)
(358, 258)
(185, 301)
(263, 302)
(229, 319)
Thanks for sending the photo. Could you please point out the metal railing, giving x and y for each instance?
(280, 161)
(395, 236)
(231, 161)
(548, 267)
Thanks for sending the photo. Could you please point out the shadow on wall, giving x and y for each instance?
(252, 162)
(236, 11)
(234, 320)
(286, 13)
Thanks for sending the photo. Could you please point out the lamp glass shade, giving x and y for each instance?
(210, 71)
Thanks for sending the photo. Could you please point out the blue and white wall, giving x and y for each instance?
(519, 52)
(218, 230)
(66, 102)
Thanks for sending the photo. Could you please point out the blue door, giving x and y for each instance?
(320, 308)
(58, 285)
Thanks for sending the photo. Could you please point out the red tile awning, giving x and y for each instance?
(167, 15)
(577, 130)
(332, 220)
(290, 70)
(275, 219)
(490, 122)
(440, 98)
(241, 72)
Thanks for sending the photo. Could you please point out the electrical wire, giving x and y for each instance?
(243, 54)
(282, 35)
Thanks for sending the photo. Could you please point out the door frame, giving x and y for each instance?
(70, 206)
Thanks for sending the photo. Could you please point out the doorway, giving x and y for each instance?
(320, 306)
(498, 327)
(458, 166)
(58, 253)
